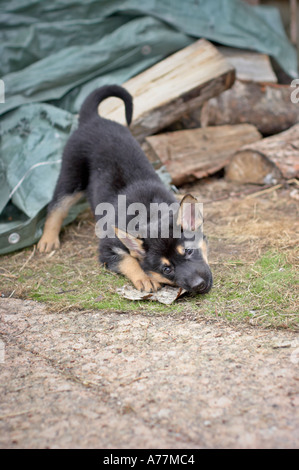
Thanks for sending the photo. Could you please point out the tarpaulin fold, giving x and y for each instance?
(54, 53)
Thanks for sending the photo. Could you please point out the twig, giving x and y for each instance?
(13, 415)
(264, 191)
(51, 254)
(134, 380)
(67, 307)
(65, 291)
(11, 276)
(26, 262)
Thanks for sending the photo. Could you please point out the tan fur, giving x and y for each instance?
(180, 249)
(130, 268)
(134, 244)
(50, 238)
(184, 217)
(165, 261)
(204, 249)
(159, 278)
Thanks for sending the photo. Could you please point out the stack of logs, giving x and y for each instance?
(229, 110)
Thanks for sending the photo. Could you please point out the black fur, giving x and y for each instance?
(104, 160)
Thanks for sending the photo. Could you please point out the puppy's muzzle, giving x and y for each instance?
(200, 285)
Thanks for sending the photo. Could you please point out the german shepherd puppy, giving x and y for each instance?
(104, 161)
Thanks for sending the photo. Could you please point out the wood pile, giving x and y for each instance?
(174, 86)
(199, 152)
(267, 161)
(225, 109)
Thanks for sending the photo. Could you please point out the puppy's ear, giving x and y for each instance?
(134, 244)
(189, 215)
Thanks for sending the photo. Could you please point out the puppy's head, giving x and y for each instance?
(180, 259)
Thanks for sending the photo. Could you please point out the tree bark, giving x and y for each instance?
(266, 106)
(196, 153)
(177, 84)
(268, 161)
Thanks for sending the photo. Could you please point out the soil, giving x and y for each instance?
(99, 379)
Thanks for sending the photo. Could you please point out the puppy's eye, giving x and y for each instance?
(167, 269)
(188, 251)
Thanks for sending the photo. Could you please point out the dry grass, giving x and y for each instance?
(269, 223)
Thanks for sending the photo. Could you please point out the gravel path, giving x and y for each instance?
(113, 380)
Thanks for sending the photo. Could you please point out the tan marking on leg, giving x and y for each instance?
(161, 279)
(165, 261)
(131, 268)
(50, 238)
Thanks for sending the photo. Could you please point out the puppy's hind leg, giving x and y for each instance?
(70, 186)
(57, 212)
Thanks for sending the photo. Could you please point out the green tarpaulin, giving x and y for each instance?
(54, 53)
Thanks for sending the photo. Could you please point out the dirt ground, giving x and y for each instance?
(136, 379)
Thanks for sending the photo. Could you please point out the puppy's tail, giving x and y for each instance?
(89, 108)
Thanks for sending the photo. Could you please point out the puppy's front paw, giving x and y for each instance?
(48, 244)
(147, 284)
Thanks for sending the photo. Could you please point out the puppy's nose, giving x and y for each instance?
(198, 284)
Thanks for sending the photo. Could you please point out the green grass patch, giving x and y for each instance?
(265, 292)
(261, 293)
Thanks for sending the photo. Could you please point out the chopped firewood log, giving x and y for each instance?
(267, 161)
(266, 106)
(177, 84)
(250, 66)
(196, 153)
(239, 106)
